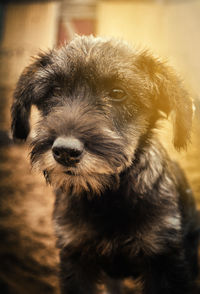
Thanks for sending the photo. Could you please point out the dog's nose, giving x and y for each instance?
(67, 150)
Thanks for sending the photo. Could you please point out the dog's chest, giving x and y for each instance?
(106, 228)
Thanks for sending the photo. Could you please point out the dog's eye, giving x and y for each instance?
(117, 95)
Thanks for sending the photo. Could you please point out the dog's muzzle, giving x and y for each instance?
(67, 150)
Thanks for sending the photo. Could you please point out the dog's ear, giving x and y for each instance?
(24, 97)
(169, 96)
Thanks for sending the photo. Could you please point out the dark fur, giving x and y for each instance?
(126, 209)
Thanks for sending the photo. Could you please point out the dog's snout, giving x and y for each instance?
(67, 150)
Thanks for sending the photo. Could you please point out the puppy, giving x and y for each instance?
(123, 208)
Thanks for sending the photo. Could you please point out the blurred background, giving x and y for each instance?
(170, 28)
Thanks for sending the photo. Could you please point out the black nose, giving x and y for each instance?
(67, 150)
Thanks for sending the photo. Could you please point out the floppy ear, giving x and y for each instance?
(169, 96)
(24, 97)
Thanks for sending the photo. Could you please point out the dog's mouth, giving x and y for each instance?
(70, 173)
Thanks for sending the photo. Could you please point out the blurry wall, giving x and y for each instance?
(170, 28)
(76, 17)
(27, 27)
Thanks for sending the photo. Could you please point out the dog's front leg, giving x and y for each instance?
(167, 274)
(76, 277)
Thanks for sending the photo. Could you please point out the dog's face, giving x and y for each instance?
(99, 101)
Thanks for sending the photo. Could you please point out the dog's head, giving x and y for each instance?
(99, 100)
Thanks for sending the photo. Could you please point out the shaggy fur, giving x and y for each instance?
(123, 209)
